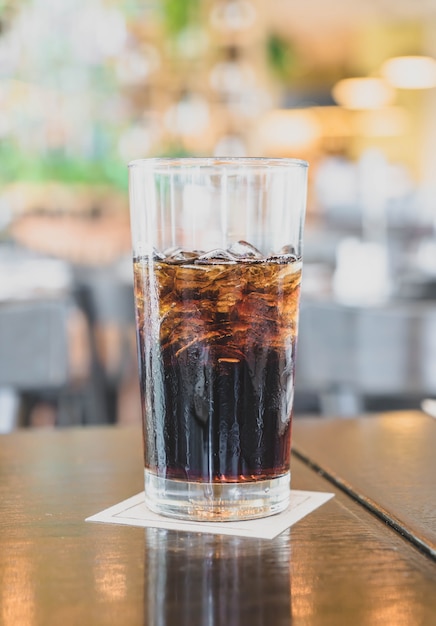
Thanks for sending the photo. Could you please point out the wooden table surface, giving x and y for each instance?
(388, 462)
(340, 565)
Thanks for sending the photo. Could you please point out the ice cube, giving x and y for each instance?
(158, 256)
(287, 254)
(289, 249)
(218, 256)
(177, 255)
(244, 250)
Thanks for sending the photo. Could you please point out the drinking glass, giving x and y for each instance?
(217, 247)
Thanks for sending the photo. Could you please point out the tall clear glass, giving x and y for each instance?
(217, 247)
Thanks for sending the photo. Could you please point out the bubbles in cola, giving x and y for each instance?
(216, 335)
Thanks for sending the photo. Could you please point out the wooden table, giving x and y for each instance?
(341, 565)
(387, 462)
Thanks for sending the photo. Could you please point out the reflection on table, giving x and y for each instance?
(215, 569)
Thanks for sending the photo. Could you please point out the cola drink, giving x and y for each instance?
(217, 335)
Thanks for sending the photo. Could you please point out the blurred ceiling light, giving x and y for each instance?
(410, 72)
(284, 129)
(233, 15)
(362, 93)
(232, 77)
(188, 116)
(135, 66)
(191, 43)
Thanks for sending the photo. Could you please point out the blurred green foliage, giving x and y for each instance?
(281, 56)
(179, 14)
(17, 165)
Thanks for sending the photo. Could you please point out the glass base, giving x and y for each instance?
(216, 502)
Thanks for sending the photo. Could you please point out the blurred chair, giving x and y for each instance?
(106, 298)
(39, 364)
(347, 355)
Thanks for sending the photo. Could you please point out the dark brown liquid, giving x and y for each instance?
(217, 348)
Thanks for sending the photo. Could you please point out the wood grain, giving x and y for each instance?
(338, 566)
(388, 462)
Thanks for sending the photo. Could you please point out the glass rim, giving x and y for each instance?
(180, 163)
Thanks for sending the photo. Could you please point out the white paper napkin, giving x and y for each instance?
(133, 512)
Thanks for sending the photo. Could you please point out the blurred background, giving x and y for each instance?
(88, 85)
